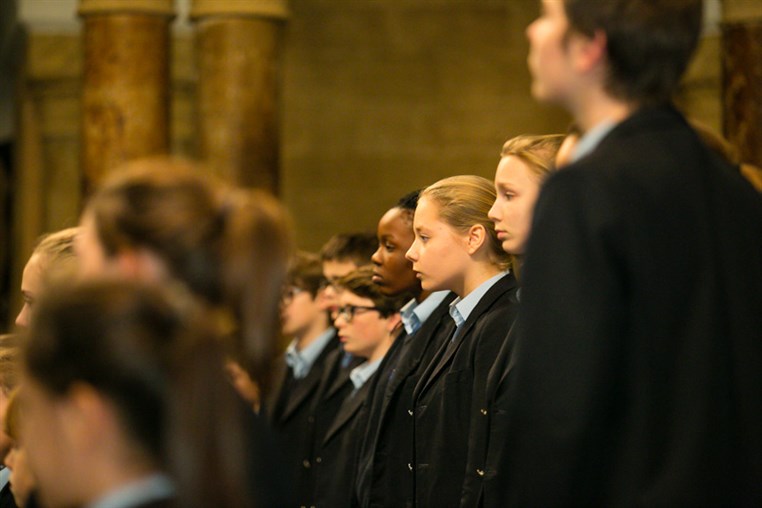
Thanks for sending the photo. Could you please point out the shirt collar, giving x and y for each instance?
(360, 374)
(5, 474)
(151, 488)
(460, 309)
(592, 139)
(414, 314)
(301, 361)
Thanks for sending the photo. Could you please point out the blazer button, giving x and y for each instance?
(306, 464)
(319, 460)
(410, 412)
(409, 466)
(484, 412)
(480, 472)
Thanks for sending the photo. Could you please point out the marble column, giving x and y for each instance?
(742, 77)
(238, 52)
(125, 97)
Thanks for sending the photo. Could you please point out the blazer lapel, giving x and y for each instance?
(349, 408)
(506, 283)
(419, 342)
(303, 388)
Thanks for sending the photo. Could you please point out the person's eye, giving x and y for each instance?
(389, 247)
(509, 196)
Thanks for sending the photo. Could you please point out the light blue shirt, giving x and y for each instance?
(592, 139)
(460, 309)
(301, 361)
(146, 490)
(360, 374)
(414, 314)
(5, 475)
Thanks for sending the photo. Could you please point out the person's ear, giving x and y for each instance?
(477, 235)
(393, 322)
(589, 52)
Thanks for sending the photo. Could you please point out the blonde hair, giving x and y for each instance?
(538, 152)
(464, 201)
(58, 261)
(12, 417)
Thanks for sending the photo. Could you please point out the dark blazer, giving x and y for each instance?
(332, 388)
(444, 396)
(288, 408)
(6, 497)
(384, 473)
(639, 362)
(335, 459)
(486, 472)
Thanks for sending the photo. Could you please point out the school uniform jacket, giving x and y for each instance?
(335, 459)
(289, 409)
(385, 475)
(490, 426)
(333, 389)
(444, 396)
(638, 363)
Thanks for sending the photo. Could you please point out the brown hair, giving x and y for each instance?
(158, 359)
(465, 201)
(355, 247)
(538, 152)
(360, 283)
(306, 272)
(227, 246)
(649, 43)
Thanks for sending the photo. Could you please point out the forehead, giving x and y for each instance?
(514, 170)
(335, 269)
(395, 222)
(346, 297)
(426, 212)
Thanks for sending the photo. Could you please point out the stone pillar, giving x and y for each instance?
(125, 97)
(742, 77)
(238, 45)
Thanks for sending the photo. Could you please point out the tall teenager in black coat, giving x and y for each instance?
(638, 365)
(384, 477)
(456, 248)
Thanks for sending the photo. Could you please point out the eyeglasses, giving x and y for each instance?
(290, 292)
(348, 312)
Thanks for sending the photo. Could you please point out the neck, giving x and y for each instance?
(597, 106)
(476, 276)
(109, 477)
(382, 348)
(422, 296)
(309, 336)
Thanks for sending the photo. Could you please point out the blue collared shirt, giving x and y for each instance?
(301, 361)
(5, 475)
(592, 139)
(148, 489)
(360, 374)
(414, 314)
(460, 309)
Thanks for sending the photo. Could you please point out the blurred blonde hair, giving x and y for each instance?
(538, 152)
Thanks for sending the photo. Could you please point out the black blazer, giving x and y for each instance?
(486, 471)
(335, 459)
(288, 408)
(6, 497)
(333, 387)
(384, 474)
(639, 362)
(444, 397)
